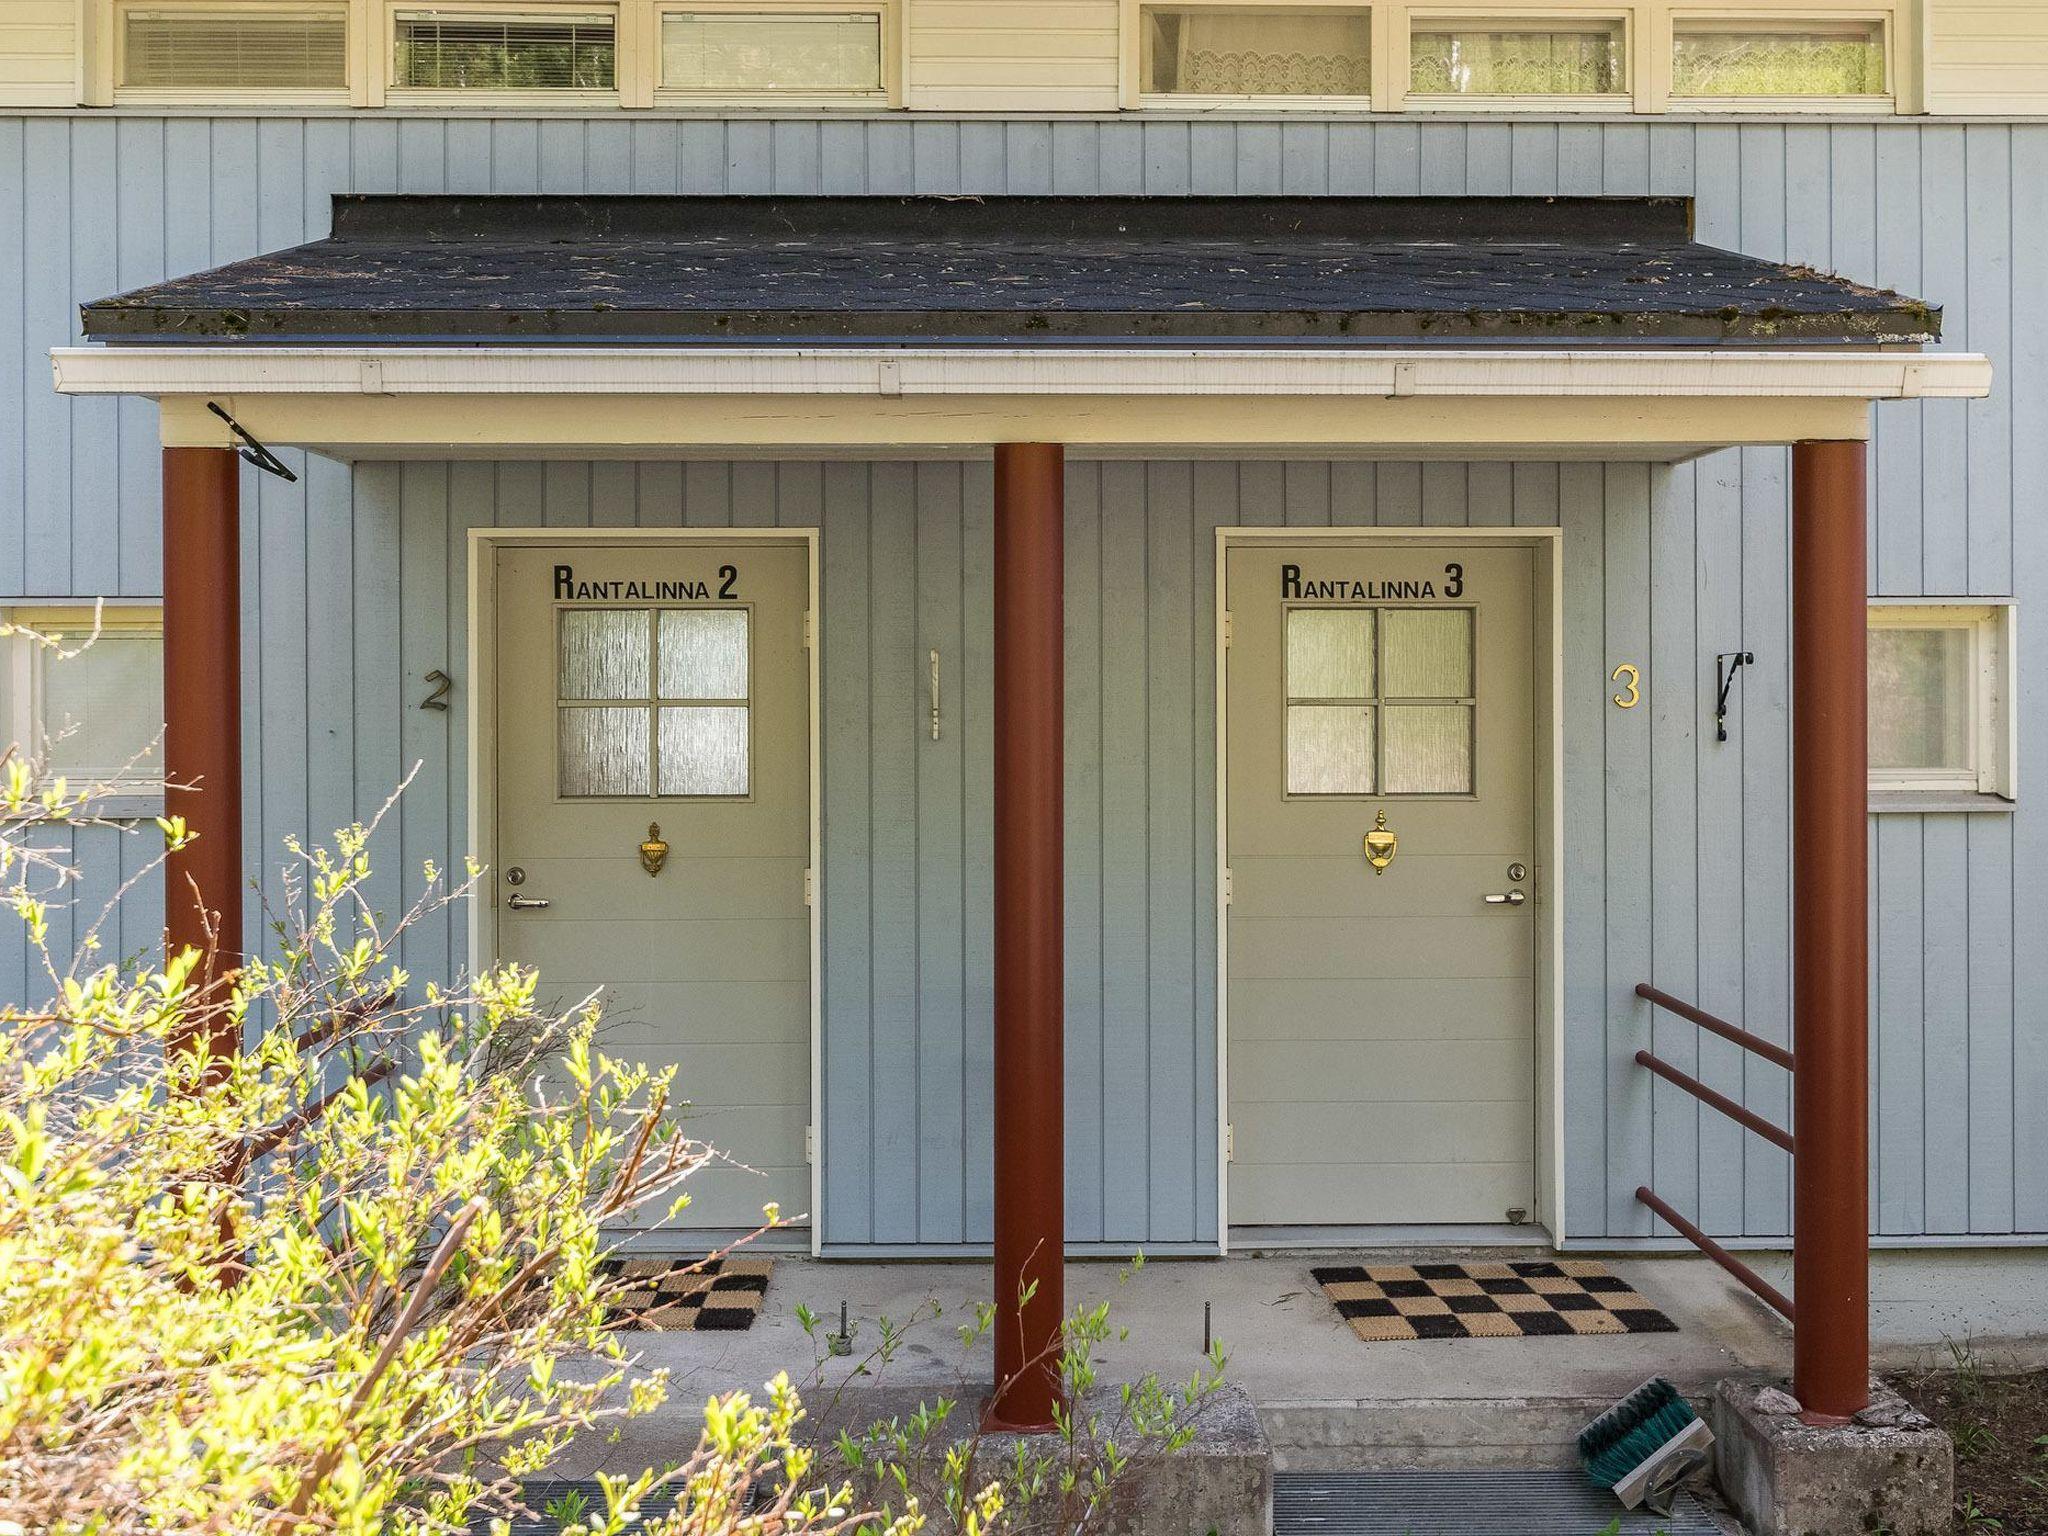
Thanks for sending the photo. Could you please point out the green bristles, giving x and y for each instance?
(1623, 1437)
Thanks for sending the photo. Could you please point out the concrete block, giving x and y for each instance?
(1891, 1471)
(1220, 1484)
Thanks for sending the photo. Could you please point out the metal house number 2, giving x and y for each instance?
(1631, 682)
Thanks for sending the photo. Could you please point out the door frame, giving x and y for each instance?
(481, 713)
(1548, 721)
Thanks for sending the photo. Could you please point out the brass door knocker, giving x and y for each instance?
(1380, 845)
(653, 852)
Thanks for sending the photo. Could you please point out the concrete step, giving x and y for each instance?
(1526, 1433)
(1463, 1503)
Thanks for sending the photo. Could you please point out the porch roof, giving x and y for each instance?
(1550, 272)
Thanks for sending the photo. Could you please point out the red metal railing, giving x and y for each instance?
(1741, 1114)
(1772, 1052)
(1776, 1135)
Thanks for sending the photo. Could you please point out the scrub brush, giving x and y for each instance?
(1646, 1446)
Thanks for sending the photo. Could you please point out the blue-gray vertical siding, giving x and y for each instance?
(354, 588)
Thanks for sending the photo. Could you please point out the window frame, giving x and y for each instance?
(654, 702)
(1136, 97)
(1992, 624)
(1684, 19)
(114, 49)
(389, 91)
(888, 16)
(1379, 699)
(1432, 18)
(26, 661)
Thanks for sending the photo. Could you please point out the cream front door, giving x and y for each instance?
(1381, 1023)
(652, 692)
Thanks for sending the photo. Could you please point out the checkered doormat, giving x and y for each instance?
(1513, 1299)
(669, 1295)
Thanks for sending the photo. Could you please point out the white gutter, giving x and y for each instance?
(162, 371)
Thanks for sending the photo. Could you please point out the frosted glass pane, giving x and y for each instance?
(1567, 62)
(1817, 60)
(703, 653)
(1920, 699)
(1329, 653)
(704, 751)
(103, 708)
(1257, 51)
(602, 752)
(1329, 749)
(1428, 653)
(1429, 749)
(604, 653)
(767, 52)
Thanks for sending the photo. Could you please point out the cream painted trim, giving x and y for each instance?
(453, 402)
(892, 372)
(482, 778)
(1656, 430)
(1548, 544)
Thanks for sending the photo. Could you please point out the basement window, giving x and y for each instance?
(772, 53)
(83, 694)
(1559, 59)
(233, 49)
(1941, 718)
(1256, 52)
(471, 51)
(1717, 60)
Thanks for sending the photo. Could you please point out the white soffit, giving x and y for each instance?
(168, 372)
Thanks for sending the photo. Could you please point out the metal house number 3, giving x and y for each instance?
(1631, 681)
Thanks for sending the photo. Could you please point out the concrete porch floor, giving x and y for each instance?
(1328, 1400)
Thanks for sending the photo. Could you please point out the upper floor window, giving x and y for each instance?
(451, 50)
(233, 48)
(84, 695)
(1941, 698)
(1255, 51)
(1716, 58)
(773, 52)
(1550, 58)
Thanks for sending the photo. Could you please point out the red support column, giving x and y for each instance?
(1030, 901)
(1830, 901)
(203, 717)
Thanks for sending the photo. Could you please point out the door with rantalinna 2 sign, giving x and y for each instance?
(1380, 839)
(653, 829)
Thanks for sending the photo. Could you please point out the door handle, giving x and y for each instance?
(1504, 898)
(519, 903)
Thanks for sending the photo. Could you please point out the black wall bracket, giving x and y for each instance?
(1726, 665)
(253, 451)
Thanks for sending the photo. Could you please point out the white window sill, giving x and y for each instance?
(1921, 802)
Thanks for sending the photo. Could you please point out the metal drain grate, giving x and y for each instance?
(1477, 1503)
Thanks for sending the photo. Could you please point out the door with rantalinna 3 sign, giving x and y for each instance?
(1379, 794)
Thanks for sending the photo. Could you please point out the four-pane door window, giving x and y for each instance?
(653, 702)
(1379, 701)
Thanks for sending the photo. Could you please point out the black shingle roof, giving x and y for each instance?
(1011, 269)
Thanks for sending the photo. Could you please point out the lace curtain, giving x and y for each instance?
(1721, 62)
(1577, 62)
(1200, 52)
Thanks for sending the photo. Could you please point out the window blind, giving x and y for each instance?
(235, 50)
(451, 51)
